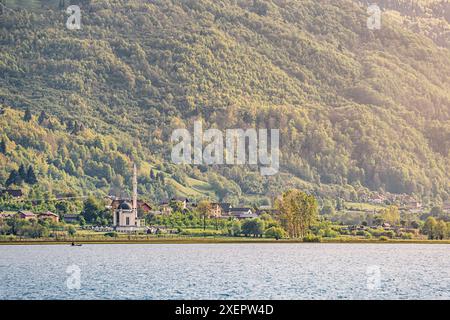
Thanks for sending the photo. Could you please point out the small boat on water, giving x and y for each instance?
(76, 244)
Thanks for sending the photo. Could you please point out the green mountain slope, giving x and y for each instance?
(356, 108)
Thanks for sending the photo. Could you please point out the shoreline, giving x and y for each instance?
(217, 241)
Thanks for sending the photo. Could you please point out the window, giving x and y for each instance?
(128, 221)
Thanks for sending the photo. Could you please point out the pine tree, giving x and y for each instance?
(70, 167)
(76, 128)
(152, 174)
(27, 116)
(69, 125)
(22, 172)
(31, 176)
(50, 125)
(42, 117)
(3, 146)
(13, 178)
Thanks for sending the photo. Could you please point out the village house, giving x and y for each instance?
(386, 226)
(166, 206)
(7, 215)
(26, 215)
(219, 209)
(412, 205)
(49, 216)
(15, 193)
(446, 206)
(142, 206)
(242, 213)
(268, 210)
(183, 202)
(71, 218)
(155, 213)
(377, 199)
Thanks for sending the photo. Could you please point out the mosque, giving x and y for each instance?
(125, 214)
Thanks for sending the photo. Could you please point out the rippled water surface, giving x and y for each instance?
(227, 271)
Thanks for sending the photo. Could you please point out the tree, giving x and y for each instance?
(42, 117)
(275, 232)
(92, 209)
(436, 212)
(71, 231)
(16, 224)
(236, 228)
(13, 178)
(69, 167)
(177, 206)
(22, 172)
(298, 212)
(152, 174)
(391, 215)
(253, 227)
(441, 230)
(31, 176)
(429, 228)
(3, 146)
(204, 208)
(27, 116)
(340, 204)
(327, 210)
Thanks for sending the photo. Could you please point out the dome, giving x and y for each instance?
(125, 206)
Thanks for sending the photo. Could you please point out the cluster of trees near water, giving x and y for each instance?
(436, 229)
(35, 228)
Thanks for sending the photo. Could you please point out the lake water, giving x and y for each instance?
(226, 271)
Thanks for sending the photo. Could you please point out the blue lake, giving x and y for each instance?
(226, 271)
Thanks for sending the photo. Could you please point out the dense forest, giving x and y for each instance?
(359, 110)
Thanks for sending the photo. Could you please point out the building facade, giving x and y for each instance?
(125, 215)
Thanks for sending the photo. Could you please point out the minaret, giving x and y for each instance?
(135, 190)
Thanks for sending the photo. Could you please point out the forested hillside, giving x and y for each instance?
(358, 109)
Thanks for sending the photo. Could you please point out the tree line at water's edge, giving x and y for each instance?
(298, 218)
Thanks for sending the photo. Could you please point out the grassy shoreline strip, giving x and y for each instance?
(218, 241)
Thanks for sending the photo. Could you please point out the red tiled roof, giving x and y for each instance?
(27, 213)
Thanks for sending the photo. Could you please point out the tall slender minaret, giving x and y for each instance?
(135, 190)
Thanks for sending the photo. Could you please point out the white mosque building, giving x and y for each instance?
(125, 216)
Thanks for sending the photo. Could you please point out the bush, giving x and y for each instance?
(376, 232)
(111, 234)
(236, 228)
(312, 238)
(71, 230)
(384, 238)
(366, 235)
(390, 234)
(275, 232)
(33, 231)
(329, 233)
(407, 235)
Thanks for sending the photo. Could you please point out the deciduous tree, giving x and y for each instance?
(298, 211)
